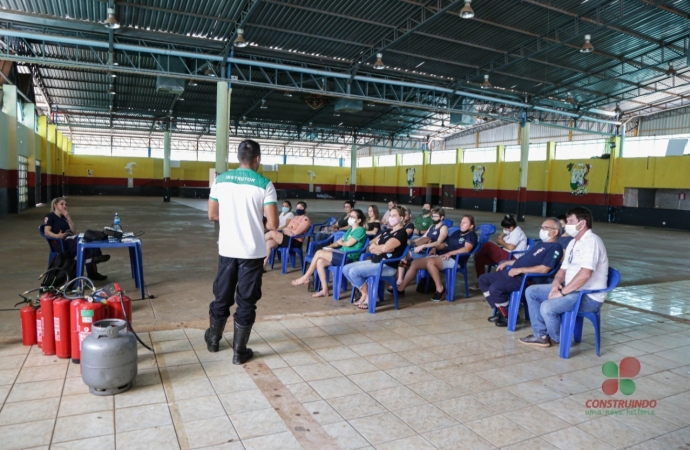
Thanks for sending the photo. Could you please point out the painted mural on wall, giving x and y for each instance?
(578, 178)
(410, 171)
(478, 177)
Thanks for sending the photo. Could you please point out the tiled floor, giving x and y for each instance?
(669, 299)
(427, 377)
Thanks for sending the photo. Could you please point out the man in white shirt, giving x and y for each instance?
(585, 267)
(239, 200)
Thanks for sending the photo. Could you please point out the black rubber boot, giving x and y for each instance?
(214, 333)
(494, 318)
(239, 345)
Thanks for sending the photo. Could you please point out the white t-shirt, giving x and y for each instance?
(284, 217)
(588, 253)
(241, 195)
(518, 239)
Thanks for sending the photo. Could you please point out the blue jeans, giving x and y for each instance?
(358, 272)
(545, 314)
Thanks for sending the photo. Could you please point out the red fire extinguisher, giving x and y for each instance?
(74, 328)
(115, 307)
(28, 321)
(88, 314)
(61, 307)
(48, 324)
(39, 328)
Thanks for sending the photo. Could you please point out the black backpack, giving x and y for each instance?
(62, 269)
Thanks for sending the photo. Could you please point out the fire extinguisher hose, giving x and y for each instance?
(129, 324)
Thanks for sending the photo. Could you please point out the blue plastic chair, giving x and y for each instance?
(286, 253)
(339, 281)
(56, 245)
(376, 283)
(311, 248)
(517, 297)
(448, 222)
(452, 273)
(573, 321)
(530, 246)
(485, 229)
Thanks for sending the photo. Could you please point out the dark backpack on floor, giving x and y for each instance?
(62, 267)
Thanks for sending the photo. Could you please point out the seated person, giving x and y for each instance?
(423, 222)
(340, 225)
(297, 226)
(564, 239)
(512, 239)
(59, 225)
(353, 239)
(373, 224)
(585, 267)
(433, 238)
(407, 221)
(285, 215)
(462, 241)
(389, 244)
(384, 221)
(542, 258)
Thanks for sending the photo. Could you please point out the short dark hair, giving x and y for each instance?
(288, 202)
(508, 221)
(438, 210)
(562, 217)
(581, 214)
(351, 203)
(304, 204)
(248, 151)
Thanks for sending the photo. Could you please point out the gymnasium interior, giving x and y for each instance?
(485, 108)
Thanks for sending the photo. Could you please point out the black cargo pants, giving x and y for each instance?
(237, 281)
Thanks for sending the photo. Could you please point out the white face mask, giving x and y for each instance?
(351, 221)
(544, 235)
(572, 229)
(506, 232)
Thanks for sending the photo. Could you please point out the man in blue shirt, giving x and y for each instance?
(542, 258)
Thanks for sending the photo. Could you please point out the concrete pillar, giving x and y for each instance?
(500, 159)
(524, 158)
(550, 156)
(353, 171)
(223, 95)
(166, 166)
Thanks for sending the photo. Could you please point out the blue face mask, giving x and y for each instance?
(299, 212)
(285, 209)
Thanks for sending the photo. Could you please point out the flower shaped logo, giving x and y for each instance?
(619, 378)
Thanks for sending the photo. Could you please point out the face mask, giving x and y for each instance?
(299, 212)
(351, 221)
(544, 235)
(506, 232)
(285, 209)
(436, 222)
(572, 229)
(425, 211)
(393, 221)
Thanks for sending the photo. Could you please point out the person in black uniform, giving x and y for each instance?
(542, 258)
(59, 225)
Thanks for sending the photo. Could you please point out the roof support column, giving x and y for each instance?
(223, 94)
(353, 171)
(166, 165)
(524, 158)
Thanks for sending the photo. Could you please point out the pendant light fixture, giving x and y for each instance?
(263, 104)
(379, 65)
(569, 98)
(239, 40)
(111, 22)
(486, 84)
(587, 47)
(467, 12)
(671, 71)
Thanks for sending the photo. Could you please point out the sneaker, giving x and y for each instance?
(97, 277)
(100, 259)
(475, 287)
(439, 296)
(536, 341)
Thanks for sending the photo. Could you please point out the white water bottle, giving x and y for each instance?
(116, 223)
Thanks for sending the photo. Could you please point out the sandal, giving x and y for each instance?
(363, 305)
(319, 295)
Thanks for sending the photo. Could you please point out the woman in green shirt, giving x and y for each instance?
(354, 239)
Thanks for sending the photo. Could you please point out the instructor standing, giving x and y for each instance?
(239, 200)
